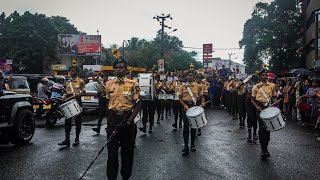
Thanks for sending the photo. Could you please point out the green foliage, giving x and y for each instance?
(271, 36)
(143, 53)
(31, 39)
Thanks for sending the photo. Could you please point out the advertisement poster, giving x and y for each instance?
(160, 65)
(6, 66)
(79, 44)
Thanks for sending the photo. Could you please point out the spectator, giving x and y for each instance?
(311, 96)
(287, 97)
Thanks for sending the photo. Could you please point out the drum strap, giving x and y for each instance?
(264, 94)
(191, 94)
(71, 87)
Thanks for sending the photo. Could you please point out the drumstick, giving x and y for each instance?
(275, 103)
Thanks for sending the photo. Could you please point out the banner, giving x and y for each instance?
(6, 66)
(79, 44)
(160, 65)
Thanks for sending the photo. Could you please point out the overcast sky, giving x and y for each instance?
(219, 22)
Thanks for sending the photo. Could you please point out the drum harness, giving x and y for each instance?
(109, 139)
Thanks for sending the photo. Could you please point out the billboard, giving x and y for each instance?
(6, 66)
(160, 65)
(79, 44)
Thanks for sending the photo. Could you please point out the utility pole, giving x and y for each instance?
(230, 54)
(161, 19)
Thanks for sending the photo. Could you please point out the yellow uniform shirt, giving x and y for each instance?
(205, 87)
(75, 86)
(195, 89)
(176, 87)
(122, 96)
(268, 88)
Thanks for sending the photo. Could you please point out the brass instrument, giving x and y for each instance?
(99, 87)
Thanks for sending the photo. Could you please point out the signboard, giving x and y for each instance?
(92, 67)
(59, 67)
(160, 65)
(6, 66)
(79, 44)
(207, 52)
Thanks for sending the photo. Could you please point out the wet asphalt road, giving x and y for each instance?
(222, 153)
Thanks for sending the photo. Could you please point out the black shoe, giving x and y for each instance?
(180, 125)
(255, 137)
(185, 150)
(76, 142)
(199, 132)
(267, 153)
(263, 154)
(97, 130)
(150, 129)
(143, 129)
(249, 136)
(174, 125)
(193, 148)
(64, 143)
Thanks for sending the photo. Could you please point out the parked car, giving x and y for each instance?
(91, 99)
(19, 84)
(17, 124)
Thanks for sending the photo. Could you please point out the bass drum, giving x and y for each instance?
(146, 84)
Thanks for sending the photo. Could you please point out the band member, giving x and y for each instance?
(102, 100)
(122, 95)
(158, 86)
(189, 100)
(148, 107)
(167, 104)
(251, 112)
(204, 88)
(241, 89)
(177, 107)
(75, 87)
(234, 107)
(261, 97)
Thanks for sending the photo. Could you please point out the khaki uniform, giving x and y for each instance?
(269, 89)
(196, 90)
(78, 86)
(122, 96)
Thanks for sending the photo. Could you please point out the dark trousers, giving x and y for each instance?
(68, 124)
(102, 110)
(124, 138)
(158, 106)
(177, 109)
(148, 108)
(264, 134)
(228, 100)
(234, 107)
(251, 116)
(241, 107)
(186, 130)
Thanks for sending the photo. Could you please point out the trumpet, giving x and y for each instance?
(99, 87)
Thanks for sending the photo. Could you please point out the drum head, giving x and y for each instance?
(269, 113)
(194, 111)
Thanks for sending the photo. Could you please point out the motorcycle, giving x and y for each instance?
(49, 108)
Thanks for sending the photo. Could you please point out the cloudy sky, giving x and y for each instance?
(219, 22)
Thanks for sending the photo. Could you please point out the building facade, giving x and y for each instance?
(311, 30)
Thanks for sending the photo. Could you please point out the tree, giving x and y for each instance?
(271, 36)
(30, 40)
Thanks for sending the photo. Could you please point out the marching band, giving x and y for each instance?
(124, 101)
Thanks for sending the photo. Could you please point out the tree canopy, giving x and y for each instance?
(30, 40)
(271, 36)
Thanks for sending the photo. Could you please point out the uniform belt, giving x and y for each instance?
(119, 113)
(262, 105)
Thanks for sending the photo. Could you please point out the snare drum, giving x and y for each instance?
(162, 97)
(70, 108)
(197, 117)
(170, 96)
(272, 118)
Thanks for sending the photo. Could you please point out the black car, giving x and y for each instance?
(17, 124)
